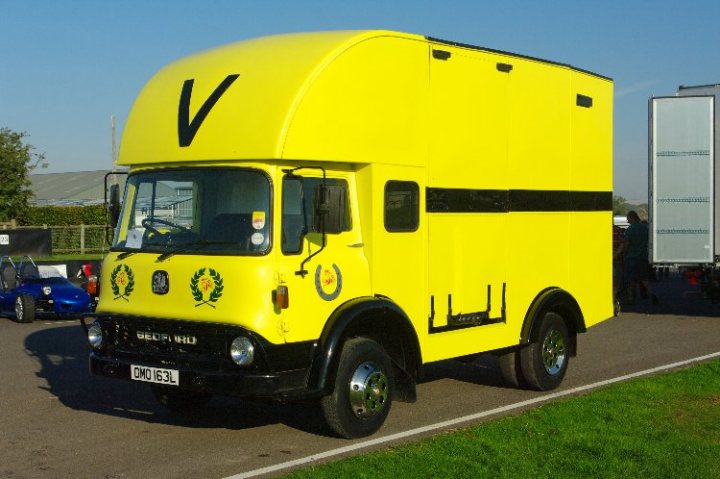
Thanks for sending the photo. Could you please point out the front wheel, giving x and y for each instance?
(25, 308)
(363, 391)
(544, 362)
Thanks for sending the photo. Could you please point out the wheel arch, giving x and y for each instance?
(558, 301)
(377, 318)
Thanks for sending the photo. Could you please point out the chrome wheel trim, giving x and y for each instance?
(19, 307)
(554, 352)
(369, 389)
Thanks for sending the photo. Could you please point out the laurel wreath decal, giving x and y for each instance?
(122, 277)
(202, 284)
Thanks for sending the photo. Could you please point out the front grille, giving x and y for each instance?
(210, 352)
(65, 307)
(43, 305)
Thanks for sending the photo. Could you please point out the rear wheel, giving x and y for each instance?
(363, 391)
(25, 308)
(180, 400)
(545, 361)
(510, 368)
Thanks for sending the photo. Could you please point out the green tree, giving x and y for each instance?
(17, 160)
(620, 206)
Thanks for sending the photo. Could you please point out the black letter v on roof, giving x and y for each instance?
(186, 128)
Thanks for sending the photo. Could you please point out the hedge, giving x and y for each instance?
(65, 215)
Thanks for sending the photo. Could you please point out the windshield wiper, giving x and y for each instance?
(188, 246)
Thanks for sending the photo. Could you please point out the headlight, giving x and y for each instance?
(242, 351)
(95, 337)
(47, 290)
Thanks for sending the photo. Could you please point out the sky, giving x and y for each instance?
(67, 67)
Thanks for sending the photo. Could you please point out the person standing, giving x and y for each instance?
(634, 254)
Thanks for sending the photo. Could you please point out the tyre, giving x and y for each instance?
(510, 368)
(25, 308)
(544, 362)
(180, 400)
(363, 390)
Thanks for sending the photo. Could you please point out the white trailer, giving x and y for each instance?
(683, 177)
(684, 226)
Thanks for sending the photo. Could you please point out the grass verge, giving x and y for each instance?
(660, 427)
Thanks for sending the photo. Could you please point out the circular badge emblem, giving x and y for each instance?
(328, 282)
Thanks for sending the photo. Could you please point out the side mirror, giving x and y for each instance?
(330, 208)
(112, 190)
(114, 205)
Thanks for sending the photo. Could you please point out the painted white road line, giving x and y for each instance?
(460, 420)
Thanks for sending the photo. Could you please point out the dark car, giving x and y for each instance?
(25, 293)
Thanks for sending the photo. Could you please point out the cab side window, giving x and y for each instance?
(299, 215)
(402, 206)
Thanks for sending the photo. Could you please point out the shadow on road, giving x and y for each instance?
(483, 370)
(63, 356)
(676, 296)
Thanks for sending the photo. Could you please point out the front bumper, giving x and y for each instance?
(279, 385)
(278, 371)
(63, 307)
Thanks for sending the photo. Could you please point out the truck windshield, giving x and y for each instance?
(188, 211)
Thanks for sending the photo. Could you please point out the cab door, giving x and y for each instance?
(322, 261)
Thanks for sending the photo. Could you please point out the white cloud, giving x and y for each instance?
(637, 87)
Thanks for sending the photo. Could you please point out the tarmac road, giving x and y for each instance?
(58, 421)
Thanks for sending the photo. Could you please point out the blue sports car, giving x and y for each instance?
(26, 293)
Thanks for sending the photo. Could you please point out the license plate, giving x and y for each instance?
(155, 375)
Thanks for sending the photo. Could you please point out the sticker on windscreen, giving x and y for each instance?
(258, 220)
(134, 239)
(257, 239)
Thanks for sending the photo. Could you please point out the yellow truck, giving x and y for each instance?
(321, 215)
